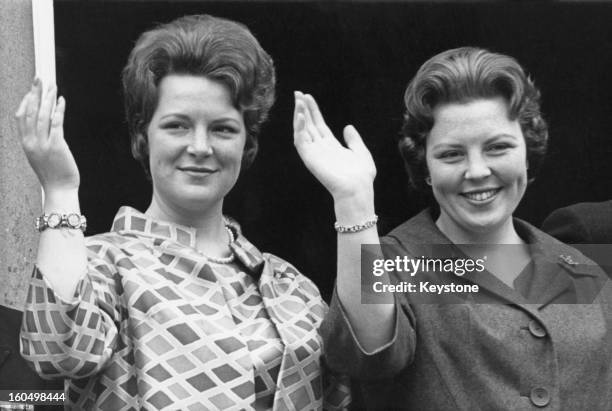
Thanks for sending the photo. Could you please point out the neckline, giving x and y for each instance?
(128, 220)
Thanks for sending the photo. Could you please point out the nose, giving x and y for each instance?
(200, 144)
(477, 167)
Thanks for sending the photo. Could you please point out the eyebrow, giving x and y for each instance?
(187, 117)
(222, 119)
(488, 140)
(179, 115)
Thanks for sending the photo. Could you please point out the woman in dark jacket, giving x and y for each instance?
(473, 136)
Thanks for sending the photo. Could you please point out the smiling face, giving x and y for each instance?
(476, 157)
(196, 139)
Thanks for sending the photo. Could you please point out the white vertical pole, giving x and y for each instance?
(44, 40)
(44, 45)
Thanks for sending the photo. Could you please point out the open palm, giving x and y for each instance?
(344, 171)
(42, 135)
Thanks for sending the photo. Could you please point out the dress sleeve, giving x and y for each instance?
(72, 339)
(344, 353)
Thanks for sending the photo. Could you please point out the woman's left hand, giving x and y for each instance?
(346, 172)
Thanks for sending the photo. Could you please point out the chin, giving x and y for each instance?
(485, 224)
(195, 202)
(481, 228)
(199, 194)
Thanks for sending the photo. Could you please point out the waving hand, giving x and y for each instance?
(344, 171)
(41, 127)
(348, 174)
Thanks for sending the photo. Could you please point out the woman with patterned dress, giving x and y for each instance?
(173, 308)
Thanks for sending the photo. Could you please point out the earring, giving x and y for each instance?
(428, 180)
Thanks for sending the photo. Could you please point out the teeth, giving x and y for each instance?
(481, 196)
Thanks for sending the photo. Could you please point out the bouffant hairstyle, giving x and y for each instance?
(200, 45)
(459, 76)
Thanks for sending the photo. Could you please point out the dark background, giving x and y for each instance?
(356, 58)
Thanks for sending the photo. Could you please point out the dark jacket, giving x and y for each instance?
(582, 223)
(510, 355)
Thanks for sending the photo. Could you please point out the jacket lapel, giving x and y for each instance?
(494, 291)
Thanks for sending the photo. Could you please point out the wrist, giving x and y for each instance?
(354, 209)
(61, 201)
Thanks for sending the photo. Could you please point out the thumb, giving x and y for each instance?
(353, 139)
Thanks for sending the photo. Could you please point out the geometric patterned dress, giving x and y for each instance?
(155, 325)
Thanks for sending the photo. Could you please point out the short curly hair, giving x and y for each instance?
(201, 45)
(459, 76)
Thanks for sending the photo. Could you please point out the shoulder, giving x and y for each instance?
(289, 295)
(557, 251)
(106, 252)
(276, 271)
(98, 244)
(275, 268)
(285, 271)
(589, 277)
(418, 230)
(112, 240)
(281, 267)
(533, 235)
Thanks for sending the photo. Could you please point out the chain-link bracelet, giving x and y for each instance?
(357, 227)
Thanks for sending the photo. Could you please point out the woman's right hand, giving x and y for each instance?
(41, 127)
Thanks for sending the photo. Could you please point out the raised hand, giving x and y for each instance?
(346, 172)
(41, 127)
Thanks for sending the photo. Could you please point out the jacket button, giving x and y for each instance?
(536, 329)
(540, 397)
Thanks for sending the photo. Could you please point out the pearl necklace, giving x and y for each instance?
(230, 258)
